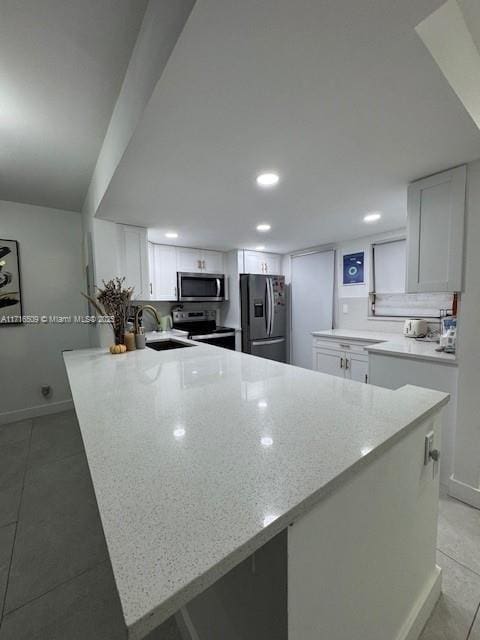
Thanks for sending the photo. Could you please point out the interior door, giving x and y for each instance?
(312, 301)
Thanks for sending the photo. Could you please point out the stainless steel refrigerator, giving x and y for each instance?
(264, 316)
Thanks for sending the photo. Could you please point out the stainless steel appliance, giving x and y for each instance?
(264, 316)
(202, 327)
(201, 287)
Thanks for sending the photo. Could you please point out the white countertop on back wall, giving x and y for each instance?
(391, 344)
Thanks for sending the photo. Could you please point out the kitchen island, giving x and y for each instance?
(201, 456)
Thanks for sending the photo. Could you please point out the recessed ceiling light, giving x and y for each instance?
(266, 441)
(372, 216)
(260, 247)
(267, 179)
(263, 227)
(179, 432)
(171, 234)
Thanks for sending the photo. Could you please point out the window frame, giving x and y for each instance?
(373, 294)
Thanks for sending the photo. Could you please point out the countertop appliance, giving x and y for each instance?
(448, 337)
(264, 316)
(415, 328)
(200, 287)
(202, 327)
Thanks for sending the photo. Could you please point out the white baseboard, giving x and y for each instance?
(35, 412)
(422, 609)
(464, 492)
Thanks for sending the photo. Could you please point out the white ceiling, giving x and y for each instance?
(340, 96)
(62, 63)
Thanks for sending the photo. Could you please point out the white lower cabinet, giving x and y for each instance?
(334, 358)
(357, 367)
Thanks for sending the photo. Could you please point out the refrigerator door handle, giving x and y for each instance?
(258, 343)
(272, 307)
(268, 309)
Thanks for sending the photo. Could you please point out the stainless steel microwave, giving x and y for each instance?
(200, 287)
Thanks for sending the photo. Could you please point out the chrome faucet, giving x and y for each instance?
(153, 311)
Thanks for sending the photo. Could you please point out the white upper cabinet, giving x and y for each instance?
(189, 260)
(132, 244)
(264, 263)
(199, 260)
(212, 262)
(436, 212)
(163, 272)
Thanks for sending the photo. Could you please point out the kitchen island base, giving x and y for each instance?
(359, 564)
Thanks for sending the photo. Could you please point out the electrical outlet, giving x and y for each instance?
(428, 447)
(345, 308)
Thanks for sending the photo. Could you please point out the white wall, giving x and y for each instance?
(356, 296)
(161, 27)
(50, 248)
(466, 477)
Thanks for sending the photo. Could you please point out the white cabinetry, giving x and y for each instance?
(132, 245)
(340, 359)
(188, 260)
(259, 262)
(166, 260)
(436, 211)
(199, 260)
(212, 262)
(163, 272)
(392, 373)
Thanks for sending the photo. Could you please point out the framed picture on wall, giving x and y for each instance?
(353, 268)
(10, 289)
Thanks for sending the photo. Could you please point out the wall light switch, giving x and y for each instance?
(345, 308)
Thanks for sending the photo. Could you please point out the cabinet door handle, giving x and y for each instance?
(344, 346)
(175, 292)
(341, 363)
(366, 378)
(346, 363)
(203, 264)
(151, 288)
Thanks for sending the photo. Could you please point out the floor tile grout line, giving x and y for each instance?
(60, 584)
(473, 622)
(465, 566)
(4, 603)
(44, 464)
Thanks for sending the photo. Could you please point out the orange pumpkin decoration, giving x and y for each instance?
(117, 348)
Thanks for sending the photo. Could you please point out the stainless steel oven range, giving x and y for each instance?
(202, 327)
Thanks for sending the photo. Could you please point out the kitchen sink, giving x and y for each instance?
(165, 345)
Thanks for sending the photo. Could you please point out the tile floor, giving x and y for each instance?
(56, 581)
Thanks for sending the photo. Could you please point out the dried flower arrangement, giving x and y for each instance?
(113, 301)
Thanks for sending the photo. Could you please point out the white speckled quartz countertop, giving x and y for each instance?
(201, 455)
(391, 344)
